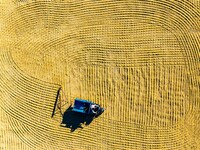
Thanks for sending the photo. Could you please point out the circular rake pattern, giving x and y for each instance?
(138, 59)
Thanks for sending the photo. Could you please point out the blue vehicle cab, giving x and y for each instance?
(87, 107)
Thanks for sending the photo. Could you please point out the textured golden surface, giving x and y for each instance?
(138, 59)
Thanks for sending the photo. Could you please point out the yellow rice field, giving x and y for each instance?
(138, 59)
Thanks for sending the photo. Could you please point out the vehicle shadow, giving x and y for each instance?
(74, 120)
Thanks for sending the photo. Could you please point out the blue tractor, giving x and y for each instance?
(87, 107)
(83, 112)
(80, 106)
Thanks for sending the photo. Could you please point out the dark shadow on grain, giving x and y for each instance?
(55, 104)
(74, 120)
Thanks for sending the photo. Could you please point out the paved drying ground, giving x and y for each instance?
(138, 59)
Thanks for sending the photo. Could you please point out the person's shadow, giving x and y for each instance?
(74, 120)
